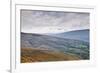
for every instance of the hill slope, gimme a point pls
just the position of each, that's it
(55, 44)
(77, 35)
(36, 55)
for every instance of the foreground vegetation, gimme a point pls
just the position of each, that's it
(36, 55)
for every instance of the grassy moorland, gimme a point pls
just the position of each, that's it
(29, 55)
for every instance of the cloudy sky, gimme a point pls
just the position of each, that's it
(35, 21)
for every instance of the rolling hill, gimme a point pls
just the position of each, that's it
(50, 44)
(76, 35)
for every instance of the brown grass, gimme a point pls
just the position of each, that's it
(36, 55)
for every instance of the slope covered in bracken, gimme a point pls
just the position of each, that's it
(36, 55)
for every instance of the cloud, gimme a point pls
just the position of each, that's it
(33, 19)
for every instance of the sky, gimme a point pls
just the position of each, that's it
(42, 22)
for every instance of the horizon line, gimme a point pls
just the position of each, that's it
(54, 33)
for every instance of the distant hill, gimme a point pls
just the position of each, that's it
(47, 42)
(76, 35)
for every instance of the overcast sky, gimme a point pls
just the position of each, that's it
(33, 21)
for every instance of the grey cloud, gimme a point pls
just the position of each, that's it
(32, 18)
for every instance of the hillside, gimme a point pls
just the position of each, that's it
(36, 55)
(82, 35)
(48, 44)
